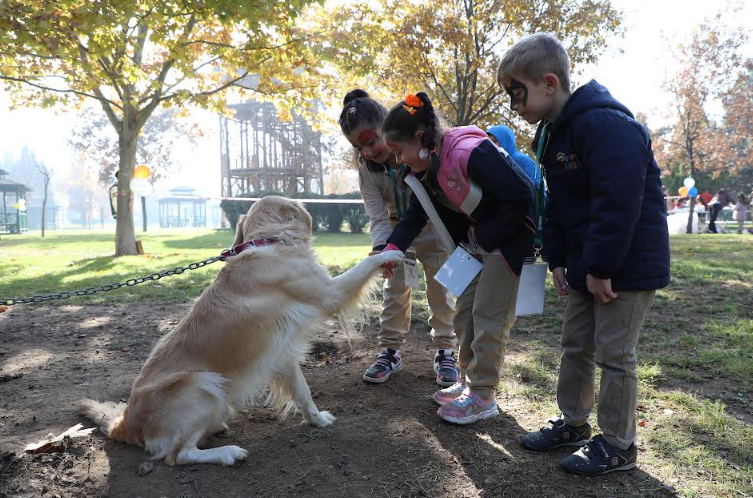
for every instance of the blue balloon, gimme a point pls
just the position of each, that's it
(692, 192)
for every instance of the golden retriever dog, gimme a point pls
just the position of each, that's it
(248, 331)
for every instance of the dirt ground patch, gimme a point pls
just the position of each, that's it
(387, 441)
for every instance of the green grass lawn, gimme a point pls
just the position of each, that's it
(71, 260)
(695, 352)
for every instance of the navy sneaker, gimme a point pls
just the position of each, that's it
(557, 434)
(599, 457)
(387, 363)
(446, 367)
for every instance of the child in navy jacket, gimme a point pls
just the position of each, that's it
(607, 244)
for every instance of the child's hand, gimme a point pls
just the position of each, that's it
(560, 283)
(387, 267)
(600, 288)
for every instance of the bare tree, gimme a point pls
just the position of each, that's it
(46, 175)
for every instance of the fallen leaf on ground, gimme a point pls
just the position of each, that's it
(9, 377)
(59, 442)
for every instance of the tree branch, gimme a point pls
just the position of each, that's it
(60, 90)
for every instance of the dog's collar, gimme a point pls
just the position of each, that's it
(239, 248)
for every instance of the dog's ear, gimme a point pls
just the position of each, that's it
(239, 230)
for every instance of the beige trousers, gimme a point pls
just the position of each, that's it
(485, 314)
(605, 335)
(396, 307)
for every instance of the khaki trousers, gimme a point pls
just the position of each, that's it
(396, 307)
(605, 335)
(485, 314)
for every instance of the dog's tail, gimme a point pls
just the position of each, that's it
(280, 397)
(107, 414)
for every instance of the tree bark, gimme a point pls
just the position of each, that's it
(691, 200)
(44, 201)
(125, 239)
(143, 211)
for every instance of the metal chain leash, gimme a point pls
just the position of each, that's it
(108, 287)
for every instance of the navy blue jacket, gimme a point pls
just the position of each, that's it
(606, 215)
(504, 215)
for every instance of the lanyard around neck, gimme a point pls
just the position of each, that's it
(538, 239)
(401, 206)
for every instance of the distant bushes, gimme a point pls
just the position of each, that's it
(329, 216)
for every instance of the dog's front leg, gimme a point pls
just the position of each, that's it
(347, 287)
(301, 394)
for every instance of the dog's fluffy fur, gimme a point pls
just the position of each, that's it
(248, 330)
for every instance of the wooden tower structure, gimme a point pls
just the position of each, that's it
(259, 152)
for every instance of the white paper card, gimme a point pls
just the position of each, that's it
(531, 289)
(458, 271)
(410, 269)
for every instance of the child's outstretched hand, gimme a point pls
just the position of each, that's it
(600, 288)
(387, 267)
(560, 283)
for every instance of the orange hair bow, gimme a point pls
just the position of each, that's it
(412, 103)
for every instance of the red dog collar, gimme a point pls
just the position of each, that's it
(237, 249)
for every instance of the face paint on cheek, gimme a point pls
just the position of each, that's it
(366, 136)
(514, 101)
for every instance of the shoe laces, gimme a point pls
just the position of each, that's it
(599, 444)
(385, 360)
(447, 361)
(552, 425)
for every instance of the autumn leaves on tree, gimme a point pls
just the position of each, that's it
(133, 57)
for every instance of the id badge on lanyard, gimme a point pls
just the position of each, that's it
(458, 271)
(531, 288)
(410, 269)
(530, 299)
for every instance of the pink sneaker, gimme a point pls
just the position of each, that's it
(467, 408)
(448, 394)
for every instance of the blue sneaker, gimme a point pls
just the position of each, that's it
(599, 457)
(387, 363)
(557, 434)
(446, 367)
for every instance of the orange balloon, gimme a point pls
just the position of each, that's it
(683, 191)
(141, 171)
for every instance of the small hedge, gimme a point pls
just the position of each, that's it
(330, 215)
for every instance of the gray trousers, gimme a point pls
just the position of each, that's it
(605, 335)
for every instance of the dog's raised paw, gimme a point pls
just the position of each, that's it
(393, 257)
(232, 454)
(323, 419)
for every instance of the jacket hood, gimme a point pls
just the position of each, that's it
(465, 136)
(504, 136)
(589, 96)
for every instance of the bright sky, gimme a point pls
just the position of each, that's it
(633, 68)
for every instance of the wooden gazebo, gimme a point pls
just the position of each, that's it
(182, 209)
(12, 219)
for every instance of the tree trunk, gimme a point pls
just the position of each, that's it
(125, 239)
(691, 200)
(143, 211)
(44, 201)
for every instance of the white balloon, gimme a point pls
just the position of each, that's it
(141, 186)
(689, 182)
(147, 191)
